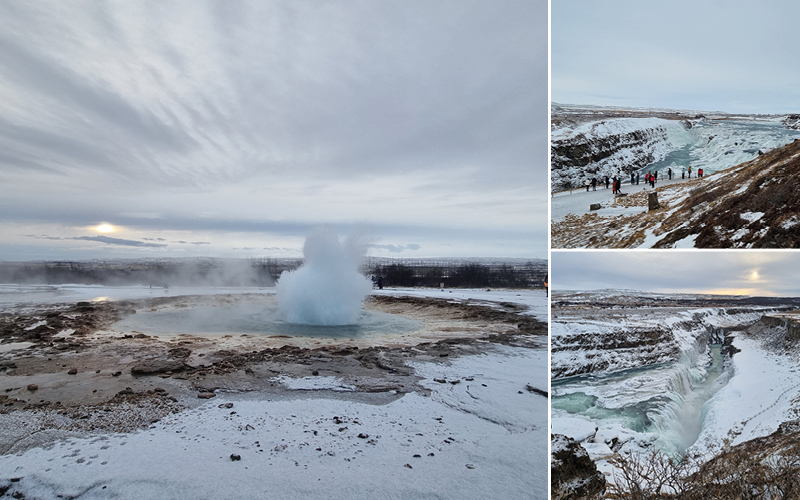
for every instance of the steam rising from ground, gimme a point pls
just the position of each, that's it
(327, 289)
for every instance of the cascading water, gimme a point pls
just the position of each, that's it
(666, 400)
(717, 145)
(327, 289)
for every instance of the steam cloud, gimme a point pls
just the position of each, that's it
(327, 289)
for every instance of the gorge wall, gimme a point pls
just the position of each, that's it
(611, 147)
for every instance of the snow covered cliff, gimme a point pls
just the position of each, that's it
(612, 147)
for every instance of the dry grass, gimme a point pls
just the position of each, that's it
(766, 468)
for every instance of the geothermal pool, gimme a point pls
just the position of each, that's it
(263, 318)
(665, 401)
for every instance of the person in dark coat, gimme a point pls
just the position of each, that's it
(594, 183)
(633, 178)
(669, 173)
(606, 182)
(637, 178)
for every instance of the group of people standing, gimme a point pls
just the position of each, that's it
(649, 178)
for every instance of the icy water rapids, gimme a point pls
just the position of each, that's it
(667, 400)
(716, 145)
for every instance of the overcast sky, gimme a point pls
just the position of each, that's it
(713, 55)
(231, 128)
(738, 272)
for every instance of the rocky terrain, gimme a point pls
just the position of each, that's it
(752, 205)
(75, 372)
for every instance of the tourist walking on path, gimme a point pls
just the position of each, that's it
(669, 173)
(633, 178)
(637, 178)
(690, 171)
(588, 183)
(594, 183)
(606, 182)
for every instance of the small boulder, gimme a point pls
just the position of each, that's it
(235, 457)
(33, 387)
(206, 395)
(595, 206)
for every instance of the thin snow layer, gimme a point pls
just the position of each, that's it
(314, 383)
(472, 441)
(535, 300)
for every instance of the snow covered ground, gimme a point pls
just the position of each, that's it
(479, 434)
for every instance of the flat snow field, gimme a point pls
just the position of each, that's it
(481, 438)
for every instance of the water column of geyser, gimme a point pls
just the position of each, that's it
(327, 289)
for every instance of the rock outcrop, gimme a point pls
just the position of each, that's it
(573, 474)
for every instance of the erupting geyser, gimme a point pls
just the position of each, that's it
(327, 289)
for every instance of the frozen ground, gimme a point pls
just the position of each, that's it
(478, 431)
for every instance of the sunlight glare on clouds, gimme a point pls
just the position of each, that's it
(104, 228)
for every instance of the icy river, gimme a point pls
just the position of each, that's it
(720, 144)
(663, 404)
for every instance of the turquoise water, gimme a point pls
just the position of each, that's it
(664, 399)
(258, 319)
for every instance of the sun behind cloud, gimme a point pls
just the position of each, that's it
(105, 228)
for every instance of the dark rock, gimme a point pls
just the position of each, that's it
(235, 457)
(573, 474)
(595, 206)
(73, 371)
(32, 387)
(440, 380)
(116, 374)
(206, 395)
(417, 455)
(536, 390)
(157, 365)
(363, 436)
(408, 465)
(652, 201)
(315, 372)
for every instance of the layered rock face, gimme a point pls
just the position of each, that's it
(609, 147)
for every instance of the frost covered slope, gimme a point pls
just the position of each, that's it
(752, 205)
(600, 332)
